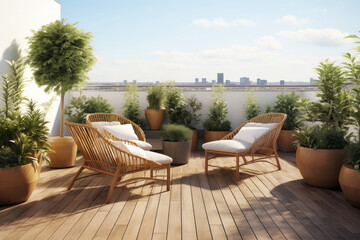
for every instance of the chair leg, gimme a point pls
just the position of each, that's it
(237, 168)
(168, 178)
(244, 158)
(151, 172)
(206, 162)
(277, 159)
(75, 177)
(112, 187)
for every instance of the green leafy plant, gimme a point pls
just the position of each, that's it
(60, 56)
(252, 108)
(216, 120)
(156, 96)
(289, 104)
(176, 133)
(132, 107)
(175, 106)
(194, 105)
(80, 106)
(353, 154)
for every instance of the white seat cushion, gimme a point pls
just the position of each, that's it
(251, 132)
(124, 131)
(134, 150)
(142, 144)
(232, 146)
(100, 125)
(158, 157)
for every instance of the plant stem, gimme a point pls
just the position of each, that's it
(62, 103)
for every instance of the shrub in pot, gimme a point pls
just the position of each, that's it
(194, 105)
(289, 104)
(216, 125)
(132, 107)
(176, 142)
(60, 56)
(252, 108)
(155, 112)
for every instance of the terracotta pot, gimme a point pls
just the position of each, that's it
(214, 135)
(154, 118)
(286, 141)
(320, 167)
(178, 151)
(194, 140)
(349, 180)
(65, 152)
(17, 183)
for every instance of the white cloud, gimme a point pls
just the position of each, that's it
(220, 22)
(269, 43)
(323, 37)
(292, 20)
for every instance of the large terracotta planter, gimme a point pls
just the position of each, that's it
(194, 140)
(320, 167)
(17, 183)
(349, 180)
(286, 139)
(178, 151)
(214, 135)
(154, 118)
(65, 152)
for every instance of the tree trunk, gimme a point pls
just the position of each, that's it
(62, 103)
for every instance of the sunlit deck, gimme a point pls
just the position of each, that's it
(264, 204)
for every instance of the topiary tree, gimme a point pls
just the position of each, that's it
(60, 55)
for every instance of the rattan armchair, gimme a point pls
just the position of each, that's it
(101, 156)
(261, 149)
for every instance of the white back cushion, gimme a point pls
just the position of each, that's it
(100, 125)
(134, 150)
(251, 132)
(125, 131)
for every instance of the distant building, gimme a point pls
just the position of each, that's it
(227, 82)
(282, 82)
(258, 81)
(157, 82)
(125, 82)
(203, 81)
(220, 78)
(312, 81)
(134, 81)
(263, 82)
(244, 81)
(213, 82)
(196, 80)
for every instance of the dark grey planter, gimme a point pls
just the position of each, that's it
(178, 151)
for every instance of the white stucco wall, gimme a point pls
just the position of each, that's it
(17, 19)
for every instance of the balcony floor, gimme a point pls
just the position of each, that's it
(264, 204)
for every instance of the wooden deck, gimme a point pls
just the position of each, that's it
(264, 204)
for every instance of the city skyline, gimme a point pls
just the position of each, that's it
(159, 41)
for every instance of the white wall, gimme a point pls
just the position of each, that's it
(236, 101)
(17, 19)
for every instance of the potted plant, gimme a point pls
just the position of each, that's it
(132, 107)
(60, 56)
(320, 151)
(194, 105)
(289, 104)
(252, 108)
(81, 106)
(176, 142)
(155, 112)
(216, 125)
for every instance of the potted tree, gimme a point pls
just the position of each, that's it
(132, 107)
(289, 104)
(60, 56)
(155, 112)
(176, 142)
(194, 105)
(252, 108)
(216, 125)
(320, 151)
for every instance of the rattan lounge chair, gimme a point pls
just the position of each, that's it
(102, 156)
(112, 117)
(260, 146)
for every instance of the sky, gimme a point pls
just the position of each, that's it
(162, 40)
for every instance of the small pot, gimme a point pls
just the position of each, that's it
(65, 152)
(214, 135)
(154, 118)
(286, 140)
(194, 140)
(320, 167)
(178, 151)
(349, 180)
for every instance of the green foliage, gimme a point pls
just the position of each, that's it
(194, 105)
(8, 158)
(176, 133)
(321, 137)
(252, 108)
(289, 104)
(156, 97)
(175, 106)
(353, 154)
(132, 107)
(80, 106)
(60, 56)
(217, 111)
(268, 108)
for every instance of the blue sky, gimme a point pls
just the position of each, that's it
(182, 40)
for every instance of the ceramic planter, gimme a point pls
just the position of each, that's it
(214, 135)
(194, 140)
(286, 139)
(65, 152)
(320, 167)
(349, 180)
(178, 151)
(154, 118)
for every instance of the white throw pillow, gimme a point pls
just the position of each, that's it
(100, 125)
(134, 150)
(266, 125)
(251, 132)
(125, 131)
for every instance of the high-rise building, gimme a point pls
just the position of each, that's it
(220, 78)
(196, 80)
(203, 81)
(227, 82)
(244, 81)
(282, 82)
(258, 81)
